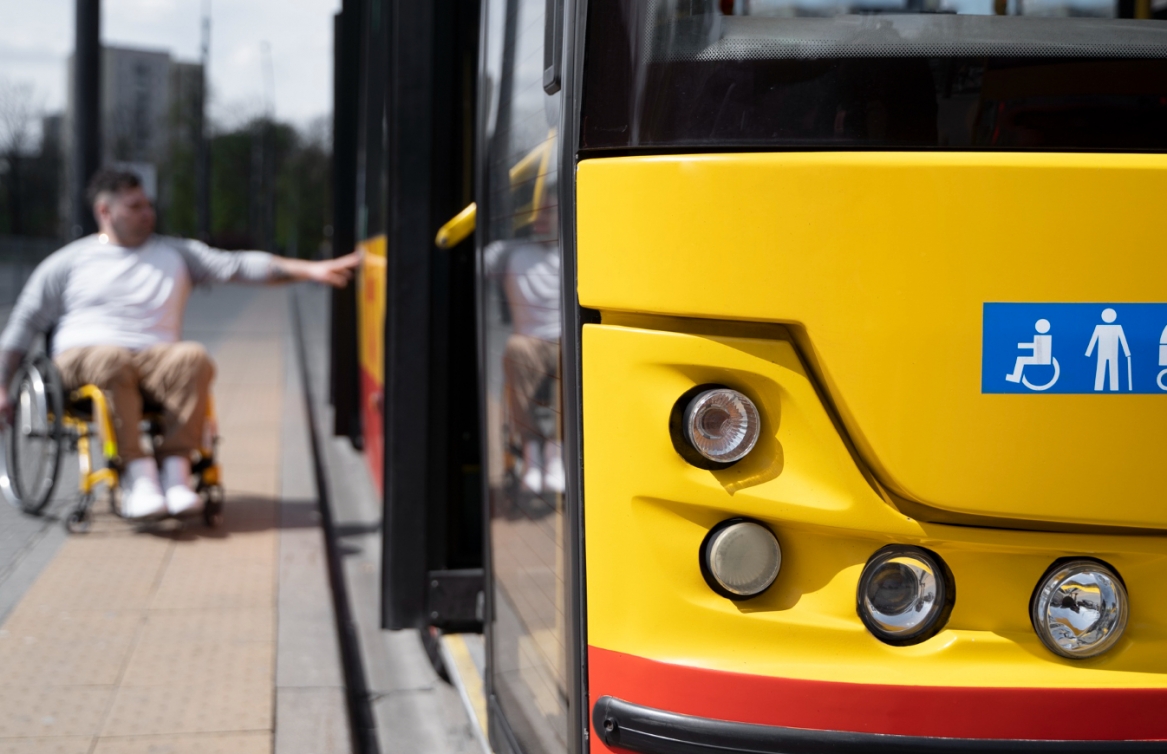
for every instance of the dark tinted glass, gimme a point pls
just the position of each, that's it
(518, 217)
(663, 75)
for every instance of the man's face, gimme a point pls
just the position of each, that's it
(129, 214)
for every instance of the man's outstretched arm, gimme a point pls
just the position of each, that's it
(335, 272)
(208, 265)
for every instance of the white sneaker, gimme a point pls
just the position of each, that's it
(180, 498)
(532, 478)
(141, 495)
(553, 478)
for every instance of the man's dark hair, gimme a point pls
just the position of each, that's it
(110, 181)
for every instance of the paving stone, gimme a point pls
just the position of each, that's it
(189, 708)
(71, 745)
(311, 721)
(227, 625)
(35, 663)
(94, 584)
(162, 638)
(211, 743)
(249, 479)
(65, 624)
(233, 666)
(52, 712)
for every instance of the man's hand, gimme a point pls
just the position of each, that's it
(335, 272)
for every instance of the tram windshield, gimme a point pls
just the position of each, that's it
(870, 74)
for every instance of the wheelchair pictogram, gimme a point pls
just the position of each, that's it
(1043, 355)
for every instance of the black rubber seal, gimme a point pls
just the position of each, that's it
(946, 584)
(631, 727)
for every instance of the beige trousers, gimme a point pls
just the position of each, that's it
(528, 362)
(175, 375)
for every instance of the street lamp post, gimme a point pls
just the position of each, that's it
(86, 153)
(203, 166)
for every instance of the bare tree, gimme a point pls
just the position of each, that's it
(19, 111)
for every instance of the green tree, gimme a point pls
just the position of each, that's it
(270, 187)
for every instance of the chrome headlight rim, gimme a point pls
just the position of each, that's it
(945, 599)
(703, 558)
(1063, 567)
(678, 420)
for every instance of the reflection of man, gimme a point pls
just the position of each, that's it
(1108, 337)
(531, 361)
(115, 304)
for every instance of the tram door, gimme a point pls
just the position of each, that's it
(519, 296)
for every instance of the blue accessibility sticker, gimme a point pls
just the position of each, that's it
(1108, 349)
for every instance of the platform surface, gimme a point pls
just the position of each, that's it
(177, 638)
(413, 708)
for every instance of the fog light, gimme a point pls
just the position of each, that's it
(722, 425)
(1080, 608)
(905, 595)
(740, 559)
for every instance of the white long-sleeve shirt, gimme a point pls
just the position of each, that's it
(93, 293)
(532, 289)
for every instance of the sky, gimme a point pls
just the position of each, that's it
(36, 38)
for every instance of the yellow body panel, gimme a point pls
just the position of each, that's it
(647, 512)
(880, 263)
(371, 307)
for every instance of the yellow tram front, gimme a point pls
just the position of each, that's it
(871, 351)
(803, 384)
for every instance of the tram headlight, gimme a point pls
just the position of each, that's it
(721, 424)
(905, 595)
(1080, 608)
(740, 558)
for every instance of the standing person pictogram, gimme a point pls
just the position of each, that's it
(1043, 355)
(1108, 337)
(1162, 360)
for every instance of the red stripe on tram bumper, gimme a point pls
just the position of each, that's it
(925, 711)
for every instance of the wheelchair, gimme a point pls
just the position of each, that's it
(47, 423)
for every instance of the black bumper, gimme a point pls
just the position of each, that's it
(631, 727)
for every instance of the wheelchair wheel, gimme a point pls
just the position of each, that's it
(31, 461)
(80, 519)
(213, 506)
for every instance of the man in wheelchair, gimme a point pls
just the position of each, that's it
(114, 302)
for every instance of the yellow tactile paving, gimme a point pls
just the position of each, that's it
(161, 639)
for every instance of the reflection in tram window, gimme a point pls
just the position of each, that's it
(519, 218)
(874, 74)
(530, 275)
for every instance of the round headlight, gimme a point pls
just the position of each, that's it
(905, 595)
(740, 559)
(1080, 608)
(722, 425)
